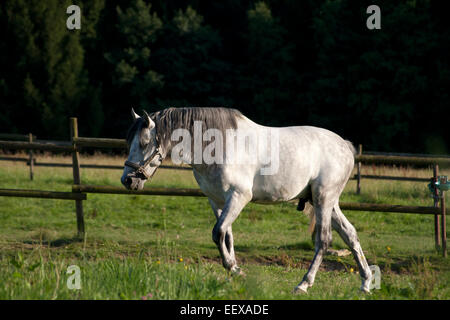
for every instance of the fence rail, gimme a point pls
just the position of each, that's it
(43, 146)
(97, 166)
(16, 137)
(100, 142)
(184, 192)
(403, 154)
(42, 194)
(402, 160)
(14, 159)
(378, 207)
(187, 192)
(397, 178)
(82, 142)
(79, 191)
(66, 146)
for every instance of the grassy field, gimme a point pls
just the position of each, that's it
(142, 247)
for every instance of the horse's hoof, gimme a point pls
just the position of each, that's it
(365, 285)
(365, 290)
(301, 288)
(236, 271)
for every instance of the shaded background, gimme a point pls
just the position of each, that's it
(281, 63)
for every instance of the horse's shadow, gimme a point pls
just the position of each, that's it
(61, 242)
(303, 245)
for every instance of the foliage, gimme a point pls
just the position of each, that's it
(280, 62)
(42, 71)
(188, 54)
(133, 74)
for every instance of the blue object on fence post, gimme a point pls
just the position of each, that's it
(442, 184)
(435, 195)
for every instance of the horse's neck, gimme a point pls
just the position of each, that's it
(242, 123)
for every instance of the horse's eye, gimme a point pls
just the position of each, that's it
(144, 140)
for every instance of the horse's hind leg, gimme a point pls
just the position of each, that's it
(348, 234)
(323, 239)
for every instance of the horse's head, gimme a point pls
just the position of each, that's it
(144, 155)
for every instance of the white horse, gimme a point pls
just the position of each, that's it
(312, 164)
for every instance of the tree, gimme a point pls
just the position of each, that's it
(189, 56)
(134, 77)
(91, 112)
(267, 75)
(43, 80)
(376, 87)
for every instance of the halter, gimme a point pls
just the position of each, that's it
(140, 170)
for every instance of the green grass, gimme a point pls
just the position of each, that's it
(160, 247)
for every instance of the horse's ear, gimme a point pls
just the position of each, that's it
(149, 121)
(134, 115)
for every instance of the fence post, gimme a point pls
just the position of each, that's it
(437, 228)
(443, 229)
(358, 177)
(31, 158)
(76, 175)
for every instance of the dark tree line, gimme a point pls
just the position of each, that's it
(286, 62)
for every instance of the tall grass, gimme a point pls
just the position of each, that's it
(142, 247)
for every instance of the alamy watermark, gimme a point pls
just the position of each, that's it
(374, 20)
(74, 20)
(237, 146)
(74, 280)
(376, 277)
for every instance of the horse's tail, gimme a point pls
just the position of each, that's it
(309, 212)
(351, 147)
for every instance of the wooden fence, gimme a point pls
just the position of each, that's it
(82, 142)
(66, 146)
(79, 190)
(395, 159)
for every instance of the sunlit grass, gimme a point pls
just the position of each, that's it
(160, 247)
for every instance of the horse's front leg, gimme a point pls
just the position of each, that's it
(222, 233)
(229, 241)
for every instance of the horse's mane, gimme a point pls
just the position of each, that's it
(167, 120)
(135, 127)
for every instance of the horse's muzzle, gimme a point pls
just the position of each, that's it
(132, 183)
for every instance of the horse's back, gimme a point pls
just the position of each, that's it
(307, 154)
